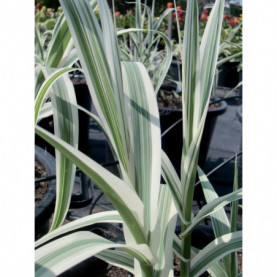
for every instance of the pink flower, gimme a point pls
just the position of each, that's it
(226, 16)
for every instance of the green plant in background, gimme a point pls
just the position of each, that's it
(127, 110)
(125, 21)
(231, 44)
(46, 16)
(230, 49)
(231, 35)
(142, 43)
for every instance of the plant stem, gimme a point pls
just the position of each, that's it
(146, 270)
(186, 241)
(185, 266)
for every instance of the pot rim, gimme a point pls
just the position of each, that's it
(218, 110)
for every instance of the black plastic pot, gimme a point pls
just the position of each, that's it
(45, 208)
(228, 75)
(172, 141)
(175, 69)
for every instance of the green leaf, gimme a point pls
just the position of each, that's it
(224, 60)
(220, 221)
(44, 89)
(122, 196)
(214, 251)
(190, 74)
(168, 219)
(66, 127)
(172, 180)
(177, 247)
(209, 50)
(100, 74)
(234, 220)
(198, 69)
(230, 37)
(45, 111)
(118, 258)
(101, 217)
(217, 270)
(39, 43)
(63, 253)
(232, 90)
(212, 207)
(60, 44)
(160, 69)
(145, 157)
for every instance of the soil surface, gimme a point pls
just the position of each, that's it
(40, 188)
(169, 99)
(173, 100)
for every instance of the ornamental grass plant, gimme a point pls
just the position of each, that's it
(127, 112)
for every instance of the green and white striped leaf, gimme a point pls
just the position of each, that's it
(63, 253)
(214, 251)
(163, 67)
(66, 127)
(122, 196)
(112, 56)
(212, 207)
(90, 45)
(188, 172)
(43, 92)
(60, 44)
(172, 180)
(224, 60)
(39, 44)
(177, 247)
(234, 220)
(144, 126)
(118, 258)
(216, 269)
(209, 50)
(127, 134)
(101, 217)
(198, 69)
(220, 221)
(168, 219)
(45, 111)
(190, 75)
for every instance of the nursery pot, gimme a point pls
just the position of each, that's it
(45, 207)
(228, 75)
(172, 141)
(175, 69)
